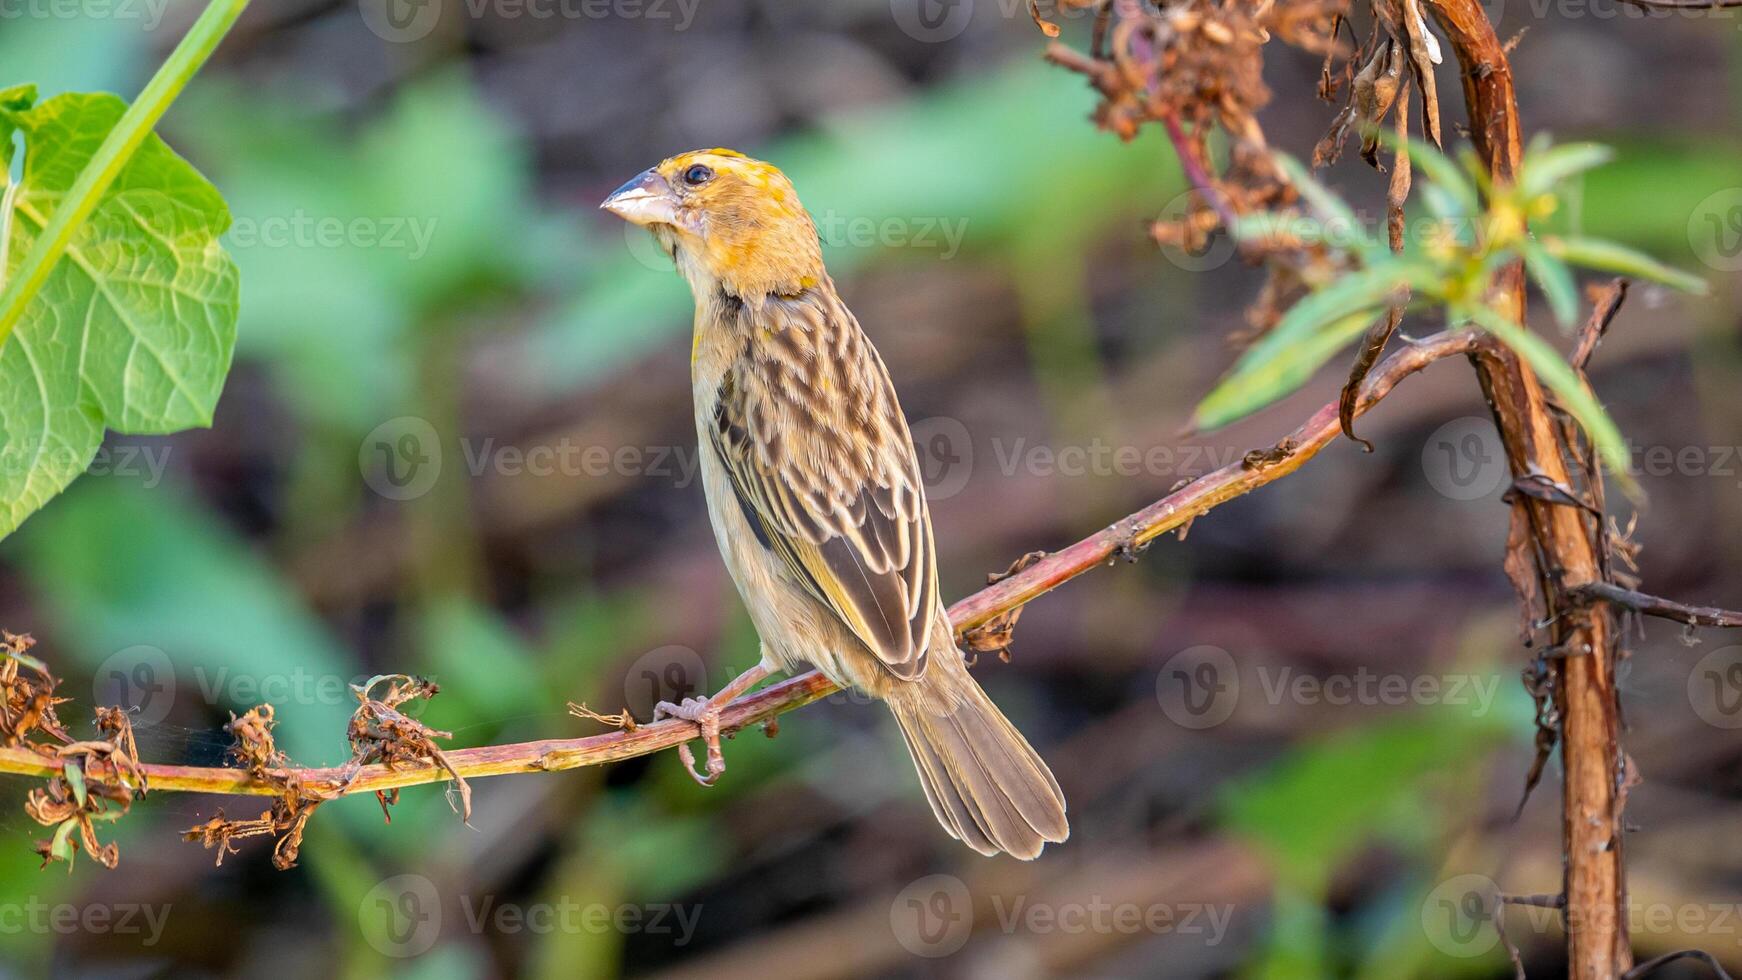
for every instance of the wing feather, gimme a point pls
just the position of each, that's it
(823, 465)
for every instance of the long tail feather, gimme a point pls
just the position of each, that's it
(986, 785)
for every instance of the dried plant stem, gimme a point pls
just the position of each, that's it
(1565, 543)
(1650, 605)
(1126, 537)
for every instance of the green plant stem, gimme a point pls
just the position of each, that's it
(118, 148)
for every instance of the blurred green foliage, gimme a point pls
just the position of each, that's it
(352, 336)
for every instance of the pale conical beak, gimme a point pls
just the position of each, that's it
(647, 199)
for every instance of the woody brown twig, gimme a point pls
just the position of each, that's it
(1564, 541)
(1126, 537)
(1650, 605)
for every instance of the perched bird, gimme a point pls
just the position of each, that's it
(814, 491)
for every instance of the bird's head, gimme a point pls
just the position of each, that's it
(729, 222)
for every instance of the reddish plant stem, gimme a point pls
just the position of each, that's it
(1195, 171)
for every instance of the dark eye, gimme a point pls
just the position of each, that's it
(698, 175)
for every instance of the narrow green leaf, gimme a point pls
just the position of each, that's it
(1542, 171)
(1261, 375)
(26, 659)
(1555, 279)
(1250, 389)
(75, 777)
(1265, 226)
(1444, 205)
(1341, 225)
(1608, 256)
(60, 847)
(1569, 389)
(1442, 172)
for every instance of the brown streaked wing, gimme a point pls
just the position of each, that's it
(823, 466)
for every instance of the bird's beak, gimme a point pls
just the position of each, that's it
(647, 199)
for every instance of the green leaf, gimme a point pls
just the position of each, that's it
(1442, 172)
(1444, 206)
(1341, 224)
(1555, 279)
(12, 101)
(1248, 390)
(75, 778)
(1568, 388)
(25, 659)
(60, 847)
(1265, 226)
(1610, 257)
(119, 304)
(1542, 171)
(1311, 332)
(133, 328)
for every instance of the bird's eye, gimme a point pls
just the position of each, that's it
(698, 175)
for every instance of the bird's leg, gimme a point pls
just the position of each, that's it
(705, 714)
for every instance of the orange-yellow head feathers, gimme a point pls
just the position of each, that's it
(730, 222)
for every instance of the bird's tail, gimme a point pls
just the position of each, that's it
(984, 782)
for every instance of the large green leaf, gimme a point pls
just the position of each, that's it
(134, 326)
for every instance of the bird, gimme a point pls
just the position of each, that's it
(814, 492)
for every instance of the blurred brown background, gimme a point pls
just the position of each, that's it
(458, 442)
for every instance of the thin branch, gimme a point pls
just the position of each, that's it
(1127, 537)
(1650, 605)
(1650, 966)
(1195, 171)
(1605, 304)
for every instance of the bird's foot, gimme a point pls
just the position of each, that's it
(705, 715)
